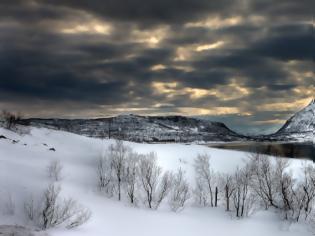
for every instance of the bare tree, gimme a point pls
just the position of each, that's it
(105, 175)
(164, 188)
(297, 197)
(227, 183)
(54, 170)
(264, 182)
(180, 191)
(131, 176)
(154, 186)
(205, 176)
(308, 189)
(242, 196)
(201, 196)
(118, 153)
(149, 173)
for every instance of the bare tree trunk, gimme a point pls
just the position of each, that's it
(216, 197)
(227, 197)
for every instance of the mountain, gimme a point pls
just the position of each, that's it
(301, 126)
(143, 128)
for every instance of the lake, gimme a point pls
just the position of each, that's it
(291, 150)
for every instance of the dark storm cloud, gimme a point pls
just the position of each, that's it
(145, 55)
(291, 42)
(295, 10)
(150, 11)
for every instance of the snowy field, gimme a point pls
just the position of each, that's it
(23, 172)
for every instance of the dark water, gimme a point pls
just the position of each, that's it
(291, 150)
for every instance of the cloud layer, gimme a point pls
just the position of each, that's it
(247, 62)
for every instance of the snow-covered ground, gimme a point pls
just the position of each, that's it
(23, 173)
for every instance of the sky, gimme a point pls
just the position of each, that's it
(249, 63)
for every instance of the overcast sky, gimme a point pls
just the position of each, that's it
(249, 63)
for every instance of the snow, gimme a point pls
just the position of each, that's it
(23, 172)
(301, 126)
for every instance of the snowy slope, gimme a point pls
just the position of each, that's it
(301, 125)
(23, 172)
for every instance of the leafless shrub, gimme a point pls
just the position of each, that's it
(264, 183)
(30, 209)
(242, 196)
(200, 194)
(131, 177)
(118, 155)
(54, 170)
(179, 192)
(105, 176)
(308, 189)
(53, 211)
(205, 180)
(149, 174)
(8, 205)
(164, 188)
(81, 216)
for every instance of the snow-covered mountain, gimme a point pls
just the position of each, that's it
(143, 128)
(301, 126)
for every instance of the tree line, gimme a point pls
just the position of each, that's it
(261, 183)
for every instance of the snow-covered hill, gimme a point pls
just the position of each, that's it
(301, 125)
(23, 163)
(143, 128)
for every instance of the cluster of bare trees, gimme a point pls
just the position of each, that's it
(261, 183)
(10, 119)
(231, 190)
(276, 187)
(139, 179)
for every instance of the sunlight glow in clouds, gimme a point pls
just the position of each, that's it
(249, 60)
(209, 46)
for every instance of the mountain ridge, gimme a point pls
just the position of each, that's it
(300, 126)
(175, 128)
(143, 128)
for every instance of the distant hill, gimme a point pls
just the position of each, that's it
(143, 128)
